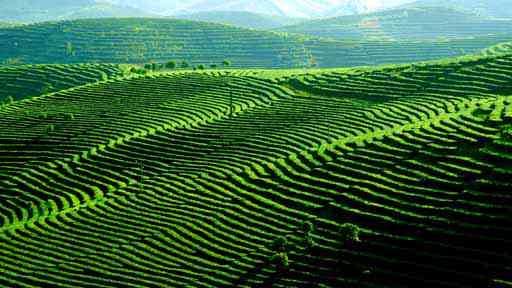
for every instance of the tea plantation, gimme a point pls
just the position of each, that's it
(144, 40)
(33, 80)
(418, 23)
(186, 179)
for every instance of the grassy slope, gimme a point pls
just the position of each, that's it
(243, 19)
(6, 24)
(501, 48)
(141, 40)
(492, 8)
(137, 40)
(402, 24)
(417, 155)
(27, 81)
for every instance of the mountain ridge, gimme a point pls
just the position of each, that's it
(289, 8)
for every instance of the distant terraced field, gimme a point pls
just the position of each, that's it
(146, 40)
(33, 80)
(502, 48)
(426, 23)
(140, 40)
(419, 156)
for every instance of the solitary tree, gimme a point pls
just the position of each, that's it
(280, 256)
(281, 261)
(349, 234)
(147, 66)
(213, 66)
(201, 67)
(70, 51)
(307, 229)
(226, 63)
(170, 65)
(184, 64)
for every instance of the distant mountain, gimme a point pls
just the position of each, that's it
(404, 24)
(103, 10)
(289, 8)
(36, 11)
(243, 19)
(6, 24)
(494, 8)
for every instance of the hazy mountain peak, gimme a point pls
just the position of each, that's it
(290, 8)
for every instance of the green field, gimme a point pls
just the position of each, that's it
(184, 179)
(143, 40)
(425, 23)
(25, 81)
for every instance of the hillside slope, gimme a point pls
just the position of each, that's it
(25, 81)
(428, 23)
(184, 180)
(140, 40)
(493, 8)
(502, 48)
(6, 24)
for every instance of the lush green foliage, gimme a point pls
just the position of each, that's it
(137, 40)
(417, 156)
(430, 23)
(33, 80)
(490, 8)
(158, 40)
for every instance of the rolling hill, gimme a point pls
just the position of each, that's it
(141, 40)
(285, 8)
(186, 179)
(426, 23)
(6, 24)
(26, 81)
(492, 8)
(502, 48)
(138, 40)
(29, 11)
(242, 19)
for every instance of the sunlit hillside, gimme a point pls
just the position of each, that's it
(242, 149)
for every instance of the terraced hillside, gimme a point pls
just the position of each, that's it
(33, 80)
(501, 48)
(139, 40)
(184, 180)
(327, 53)
(420, 23)
(6, 24)
(160, 40)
